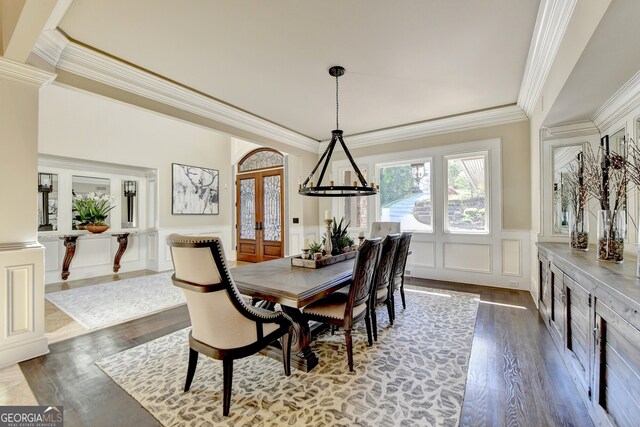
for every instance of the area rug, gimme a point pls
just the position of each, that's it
(415, 374)
(110, 303)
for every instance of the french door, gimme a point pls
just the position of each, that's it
(260, 215)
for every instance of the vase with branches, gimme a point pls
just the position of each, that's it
(607, 179)
(575, 193)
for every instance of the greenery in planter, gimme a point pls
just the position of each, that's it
(92, 208)
(339, 236)
(315, 247)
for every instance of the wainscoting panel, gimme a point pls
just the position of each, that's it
(423, 254)
(20, 294)
(21, 302)
(92, 251)
(511, 257)
(51, 256)
(132, 253)
(467, 257)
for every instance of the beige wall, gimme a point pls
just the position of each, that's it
(19, 162)
(77, 124)
(306, 159)
(516, 182)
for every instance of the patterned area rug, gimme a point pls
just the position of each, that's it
(110, 303)
(415, 374)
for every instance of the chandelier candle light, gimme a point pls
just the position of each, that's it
(360, 186)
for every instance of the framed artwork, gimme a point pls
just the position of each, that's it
(195, 190)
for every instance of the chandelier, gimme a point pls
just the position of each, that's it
(360, 186)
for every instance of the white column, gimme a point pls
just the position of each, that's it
(21, 256)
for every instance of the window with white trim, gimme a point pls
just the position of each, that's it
(466, 201)
(405, 194)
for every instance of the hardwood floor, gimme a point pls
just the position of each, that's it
(516, 376)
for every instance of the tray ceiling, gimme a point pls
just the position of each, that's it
(407, 61)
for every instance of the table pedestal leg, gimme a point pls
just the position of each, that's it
(302, 357)
(70, 244)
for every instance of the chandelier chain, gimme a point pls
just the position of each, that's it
(337, 105)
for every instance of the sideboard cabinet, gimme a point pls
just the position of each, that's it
(592, 311)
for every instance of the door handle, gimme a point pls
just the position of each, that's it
(257, 225)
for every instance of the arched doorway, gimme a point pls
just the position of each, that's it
(260, 206)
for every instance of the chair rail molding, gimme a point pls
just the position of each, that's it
(24, 73)
(551, 24)
(64, 54)
(621, 103)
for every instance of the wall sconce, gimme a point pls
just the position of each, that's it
(45, 186)
(130, 188)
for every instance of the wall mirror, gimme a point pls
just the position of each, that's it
(85, 185)
(565, 163)
(129, 203)
(47, 201)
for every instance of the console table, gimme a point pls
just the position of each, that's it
(71, 241)
(592, 311)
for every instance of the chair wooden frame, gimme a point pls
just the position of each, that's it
(359, 293)
(399, 266)
(258, 315)
(383, 280)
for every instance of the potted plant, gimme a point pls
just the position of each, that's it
(315, 248)
(92, 210)
(339, 236)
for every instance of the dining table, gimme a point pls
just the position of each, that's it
(293, 287)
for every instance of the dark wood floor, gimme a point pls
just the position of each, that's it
(516, 376)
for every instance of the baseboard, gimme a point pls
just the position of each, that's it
(24, 350)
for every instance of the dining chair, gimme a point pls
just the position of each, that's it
(400, 264)
(382, 287)
(223, 326)
(382, 228)
(345, 309)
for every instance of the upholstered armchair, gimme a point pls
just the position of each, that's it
(382, 287)
(400, 264)
(223, 326)
(381, 229)
(345, 309)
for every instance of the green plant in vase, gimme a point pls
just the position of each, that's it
(92, 208)
(339, 236)
(315, 247)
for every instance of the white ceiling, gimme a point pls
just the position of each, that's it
(407, 61)
(609, 60)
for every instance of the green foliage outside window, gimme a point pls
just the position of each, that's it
(396, 183)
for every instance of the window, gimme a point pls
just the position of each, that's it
(355, 208)
(466, 193)
(405, 195)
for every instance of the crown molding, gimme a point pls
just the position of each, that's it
(74, 58)
(551, 24)
(50, 46)
(571, 130)
(24, 73)
(474, 120)
(626, 99)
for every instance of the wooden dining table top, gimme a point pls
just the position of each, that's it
(280, 282)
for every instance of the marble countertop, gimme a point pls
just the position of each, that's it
(55, 235)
